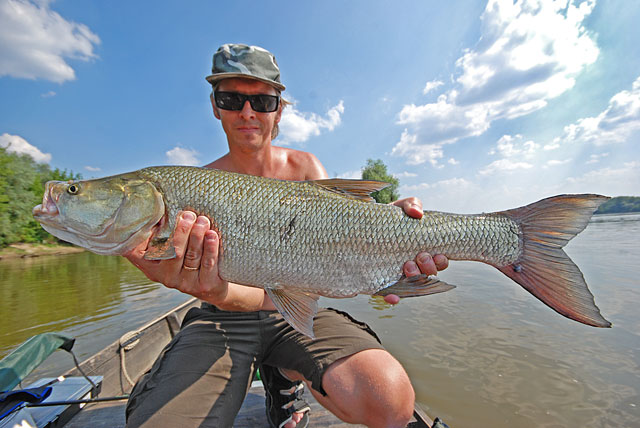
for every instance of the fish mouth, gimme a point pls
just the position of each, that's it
(48, 209)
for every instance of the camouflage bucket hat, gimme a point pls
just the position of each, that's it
(251, 62)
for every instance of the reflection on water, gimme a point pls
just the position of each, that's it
(92, 298)
(486, 354)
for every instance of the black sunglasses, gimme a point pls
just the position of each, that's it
(260, 103)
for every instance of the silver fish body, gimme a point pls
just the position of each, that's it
(298, 240)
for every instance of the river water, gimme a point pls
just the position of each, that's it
(486, 354)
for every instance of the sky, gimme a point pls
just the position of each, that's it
(474, 106)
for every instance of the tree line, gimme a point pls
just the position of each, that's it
(22, 183)
(620, 204)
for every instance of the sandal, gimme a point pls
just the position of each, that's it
(283, 398)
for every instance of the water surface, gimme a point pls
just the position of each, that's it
(486, 354)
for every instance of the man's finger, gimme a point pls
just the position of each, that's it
(410, 269)
(193, 254)
(208, 263)
(392, 299)
(426, 264)
(442, 262)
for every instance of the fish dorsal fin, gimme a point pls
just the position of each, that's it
(355, 189)
(297, 308)
(413, 286)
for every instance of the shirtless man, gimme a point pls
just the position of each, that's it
(202, 376)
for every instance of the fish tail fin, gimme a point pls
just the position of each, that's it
(544, 269)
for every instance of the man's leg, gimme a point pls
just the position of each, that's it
(369, 388)
(347, 370)
(201, 377)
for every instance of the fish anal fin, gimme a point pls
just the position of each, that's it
(354, 189)
(297, 308)
(414, 286)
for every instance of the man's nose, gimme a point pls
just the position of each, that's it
(247, 111)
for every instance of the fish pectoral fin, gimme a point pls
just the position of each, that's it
(418, 285)
(354, 189)
(297, 308)
(160, 249)
(161, 243)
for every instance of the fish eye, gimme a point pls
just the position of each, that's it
(73, 189)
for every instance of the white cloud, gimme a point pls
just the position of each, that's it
(430, 86)
(417, 153)
(298, 127)
(529, 52)
(92, 168)
(452, 161)
(48, 94)
(504, 165)
(557, 162)
(511, 146)
(405, 174)
(612, 181)
(17, 144)
(595, 158)
(181, 156)
(614, 125)
(36, 42)
(351, 175)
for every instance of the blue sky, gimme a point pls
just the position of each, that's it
(474, 106)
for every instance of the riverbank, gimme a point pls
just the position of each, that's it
(20, 250)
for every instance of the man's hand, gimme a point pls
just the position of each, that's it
(194, 270)
(424, 262)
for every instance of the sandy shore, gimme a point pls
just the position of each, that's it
(35, 250)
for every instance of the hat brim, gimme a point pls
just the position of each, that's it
(221, 76)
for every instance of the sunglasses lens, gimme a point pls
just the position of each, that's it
(235, 101)
(229, 100)
(264, 103)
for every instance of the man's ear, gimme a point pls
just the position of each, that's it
(216, 113)
(279, 114)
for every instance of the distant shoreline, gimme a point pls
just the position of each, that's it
(23, 250)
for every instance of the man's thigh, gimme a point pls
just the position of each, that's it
(200, 379)
(338, 335)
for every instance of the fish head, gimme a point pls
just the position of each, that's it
(107, 216)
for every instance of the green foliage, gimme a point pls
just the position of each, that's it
(377, 170)
(22, 183)
(620, 204)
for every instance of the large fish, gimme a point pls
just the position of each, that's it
(299, 240)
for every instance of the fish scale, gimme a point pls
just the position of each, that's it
(300, 240)
(274, 235)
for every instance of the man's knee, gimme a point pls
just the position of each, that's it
(393, 406)
(372, 388)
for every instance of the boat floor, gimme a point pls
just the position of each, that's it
(251, 415)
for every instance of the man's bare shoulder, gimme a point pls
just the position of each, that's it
(223, 163)
(299, 165)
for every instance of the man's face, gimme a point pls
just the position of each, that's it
(247, 128)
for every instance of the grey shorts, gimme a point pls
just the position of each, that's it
(201, 378)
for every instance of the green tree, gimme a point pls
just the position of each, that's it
(377, 170)
(620, 204)
(22, 182)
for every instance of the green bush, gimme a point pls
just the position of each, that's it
(22, 183)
